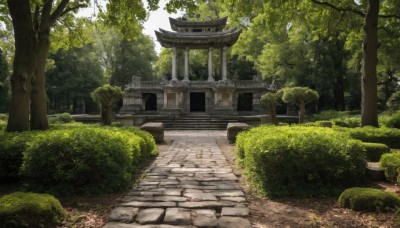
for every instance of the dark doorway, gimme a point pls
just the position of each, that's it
(245, 102)
(150, 101)
(197, 102)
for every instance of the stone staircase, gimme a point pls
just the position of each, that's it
(199, 122)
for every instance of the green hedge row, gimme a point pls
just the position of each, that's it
(387, 136)
(75, 158)
(390, 163)
(305, 161)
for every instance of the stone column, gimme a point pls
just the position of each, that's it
(223, 64)
(174, 78)
(186, 73)
(210, 65)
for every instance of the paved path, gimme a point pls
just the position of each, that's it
(190, 184)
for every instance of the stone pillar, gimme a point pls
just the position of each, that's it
(210, 65)
(174, 77)
(186, 73)
(223, 64)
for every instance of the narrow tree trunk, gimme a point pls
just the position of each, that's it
(106, 115)
(274, 119)
(369, 99)
(24, 65)
(302, 112)
(38, 105)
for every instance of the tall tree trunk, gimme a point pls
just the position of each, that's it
(369, 99)
(302, 112)
(23, 66)
(274, 119)
(38, 105)
(106, 114)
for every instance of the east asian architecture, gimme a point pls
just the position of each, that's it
(180, 95)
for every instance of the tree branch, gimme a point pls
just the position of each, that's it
(343, 9)
(389, 16)
(58, 11)
(69, 9)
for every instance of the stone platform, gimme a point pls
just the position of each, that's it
(190, 184)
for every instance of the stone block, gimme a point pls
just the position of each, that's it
(123, 214)
(156, 129)
(235, 211)
(150, 216)
(177, 216)
(233, 129)
(229, 222)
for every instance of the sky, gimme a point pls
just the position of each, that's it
(157, 19)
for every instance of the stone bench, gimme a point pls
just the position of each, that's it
(233, 130)
(156, 129)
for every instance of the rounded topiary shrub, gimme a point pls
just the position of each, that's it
(79, 161)
(302, 161)
(390, 163)
(394, 120)
(368, 199)
(374, 151)
(30, 210)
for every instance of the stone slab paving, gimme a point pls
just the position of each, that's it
(190, 184)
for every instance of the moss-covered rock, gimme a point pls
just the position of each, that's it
(30, 210)
(368, 199)
(374, 151)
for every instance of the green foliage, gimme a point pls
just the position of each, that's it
(394, 100)
(3, 125)
(75, 158)
(107, 95)
(268, 100)
(30, 210)
(4, 82)
(299, 95)
(394, 120)
(374, 151)
(303, 161)
(390, 163)
(333, 114)
(12, 147)
(368, 199)
(79, 161)
(387, 136)
(61, 118)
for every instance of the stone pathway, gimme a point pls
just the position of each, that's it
(190, 184)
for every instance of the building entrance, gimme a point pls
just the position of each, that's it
(197, 102)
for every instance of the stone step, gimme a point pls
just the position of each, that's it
(374, 172)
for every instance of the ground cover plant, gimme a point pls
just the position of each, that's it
(300, 161)
(30, 210)
(368, 199)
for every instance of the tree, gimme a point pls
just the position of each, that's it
(369, 109)
(107, 96)
(299, 96)
(32, 22)
(4, 86)
(69, 80)
(269, 101)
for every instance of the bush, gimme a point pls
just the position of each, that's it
(394, 120)
(305, 161)
(61, 118)
(368, 199)
(30, 210)
(388, 136)
(324, 123)
(80, 161)
(349, 122)
(374, 151)
(3, 116)
(390, 163)
(333, 114)
(12, 146)
(116, 124)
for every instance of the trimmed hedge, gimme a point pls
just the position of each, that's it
(302, 161)
(387, 136)
(75, 158)
(374, 151)
(80, 161)
(12, 146)
(30, 210)
(390, 163)
(368, 199)
(394, 120)
(3, 125)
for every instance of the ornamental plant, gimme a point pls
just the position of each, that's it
(107, 96)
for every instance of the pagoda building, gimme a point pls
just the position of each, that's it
(181, 97)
